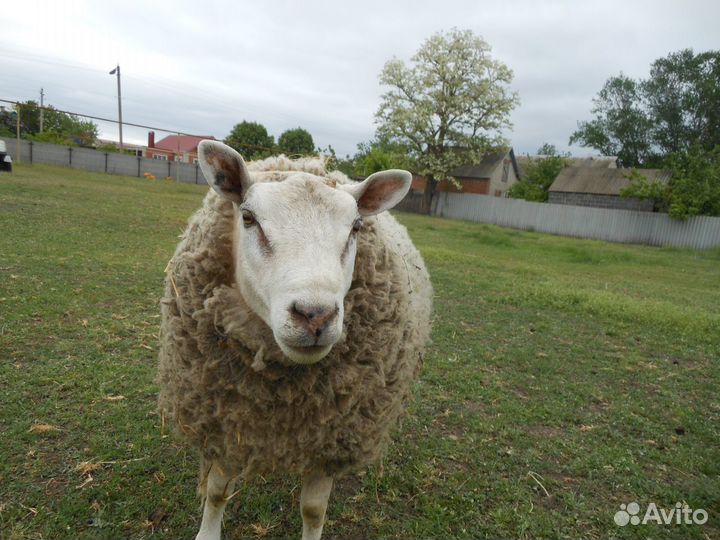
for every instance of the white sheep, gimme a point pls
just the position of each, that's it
(294, 320)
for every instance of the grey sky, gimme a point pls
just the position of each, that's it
(201, 67)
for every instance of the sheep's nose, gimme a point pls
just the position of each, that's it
(313, 318)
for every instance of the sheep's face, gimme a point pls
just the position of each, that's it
(295, 244)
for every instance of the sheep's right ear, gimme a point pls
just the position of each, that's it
(224, 170)
(380, 191)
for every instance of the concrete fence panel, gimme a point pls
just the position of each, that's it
(99, 161)
(87, 159)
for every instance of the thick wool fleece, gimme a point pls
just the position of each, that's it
(231, 392)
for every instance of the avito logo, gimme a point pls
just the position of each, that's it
(680, 514)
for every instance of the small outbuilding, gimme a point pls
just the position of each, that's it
(600, 187)
(494, 175)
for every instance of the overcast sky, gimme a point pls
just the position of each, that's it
(202, 66)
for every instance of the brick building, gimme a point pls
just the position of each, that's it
(175, 147)
(492, 176)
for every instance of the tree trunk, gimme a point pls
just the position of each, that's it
(428, 194)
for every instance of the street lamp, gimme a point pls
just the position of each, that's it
(113, 72)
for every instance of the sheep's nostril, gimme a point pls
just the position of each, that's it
(313, 318)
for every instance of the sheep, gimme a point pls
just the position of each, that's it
(293, 324)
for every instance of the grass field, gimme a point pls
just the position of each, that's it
(565, 378)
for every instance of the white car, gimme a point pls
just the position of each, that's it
(5, 159)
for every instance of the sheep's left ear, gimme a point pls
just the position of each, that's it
(224, 170)
(380, 191)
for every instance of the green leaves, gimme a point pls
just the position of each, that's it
(621, 126)
(683, 98)
(672, 119)
(377, 155)
(58, 127)
(693, 189)
(296, 141)
(540, 174)
(251, 139)
(643, 121)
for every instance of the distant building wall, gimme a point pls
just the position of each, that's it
(497, 182)
(479, 186)
(502, 178)
(169, 155)
(601, 201)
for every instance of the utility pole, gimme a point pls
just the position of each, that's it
(42, 103)
(113, 72)
(17, 133)
(177, 162)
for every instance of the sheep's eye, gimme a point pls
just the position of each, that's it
(248, 218)
(357, 225)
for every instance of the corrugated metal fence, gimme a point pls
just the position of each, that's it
(108, 162)
(627, 226)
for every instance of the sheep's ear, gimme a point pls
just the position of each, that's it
(380, 191)
(224, 170)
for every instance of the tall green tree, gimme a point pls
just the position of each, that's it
(682, 97)
(621, 126)
(448, 106)
(296, 141)
(645, 121)
(251, 139)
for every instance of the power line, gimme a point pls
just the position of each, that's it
(164, 130)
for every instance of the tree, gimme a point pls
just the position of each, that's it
(683, 100)
(693, 188)
(251, 139)
(449, 106)
(540, 174)
(621, 126)
(58, 127)
(377, 155)
(7, 122)
(644, 121)
(296, 141)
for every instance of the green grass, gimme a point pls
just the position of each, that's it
(565, 377)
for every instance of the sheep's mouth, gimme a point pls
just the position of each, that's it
(305, 355)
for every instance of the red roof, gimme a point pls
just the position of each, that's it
(185, 143)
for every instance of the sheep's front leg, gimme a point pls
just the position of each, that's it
(314, 496)
(217, 493)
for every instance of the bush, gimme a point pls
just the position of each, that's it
(693, 189)
(296, 141)
(540, 175)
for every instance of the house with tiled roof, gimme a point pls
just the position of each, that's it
(175, 147)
